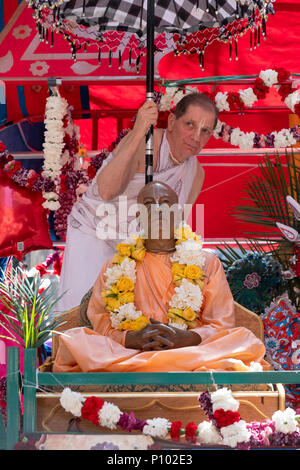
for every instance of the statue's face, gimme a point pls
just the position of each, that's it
(160, 213)
(188, 134)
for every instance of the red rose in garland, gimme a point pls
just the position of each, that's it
(175, 430)
(226, 418)
(260, 89)
(190, 432)
(91, 408)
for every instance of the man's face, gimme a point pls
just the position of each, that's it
(188, 134)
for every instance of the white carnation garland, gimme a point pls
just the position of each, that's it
(237, 137)
(56, 110)
(231, 431)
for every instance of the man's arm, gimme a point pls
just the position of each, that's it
(116, 175)
(196, 185)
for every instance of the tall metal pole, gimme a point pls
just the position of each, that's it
(150, 87)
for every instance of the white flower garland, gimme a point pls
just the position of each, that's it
(208, 432)
(184, 305)
(56, 110)
(238, 138)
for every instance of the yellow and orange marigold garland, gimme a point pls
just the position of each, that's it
(187, 273)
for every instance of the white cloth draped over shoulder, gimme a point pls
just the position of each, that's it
(85, 253)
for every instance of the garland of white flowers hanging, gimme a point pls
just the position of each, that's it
(56, 110)
(229, 101)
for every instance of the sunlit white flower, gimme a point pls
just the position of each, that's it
(269, 77)
(218, 128)
(221, 101)
(157, 427)
(285, 420)
(235, 433)
(292, 99)
(109, 415)
(72, 401)
(248, 97)
(187, 295)
(223, 398)
(283, 138)
(208, 433)
(189, 252)
(126, 269)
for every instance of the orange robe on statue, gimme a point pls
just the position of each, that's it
(223, 346)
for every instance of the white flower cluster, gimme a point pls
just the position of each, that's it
(284, 138)
(269, 77)
(51, 200)
(221, 101)
(125, 269)
(157, 427)
(189, 252)
(292, 99)
(285, 421)
(235, 433)
(170, 98)
(248, 97)
(223, 398)
(109, 415)
(208, 433)
(56, 109)
(187, 295)
(243, 140)
(125, 312)
(71, 401)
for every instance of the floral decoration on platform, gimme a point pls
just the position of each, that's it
(185, 304)
(224, 427)
(228, 101)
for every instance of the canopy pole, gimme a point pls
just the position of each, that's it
(150, 87)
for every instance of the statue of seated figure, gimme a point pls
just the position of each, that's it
(161, 304)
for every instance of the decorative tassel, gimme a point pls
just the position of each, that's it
(236, 49)
(130, 56)
(264, 28)
(251, 39)
(230, 50)
(84, 47)
(202, 53)
(99, 55)
(258, 37)
(237, 15)
(137, 64)
(83, 9)
(52, 38)
(207, 6)
(120, 60)
(255, 38)
(109, 58)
